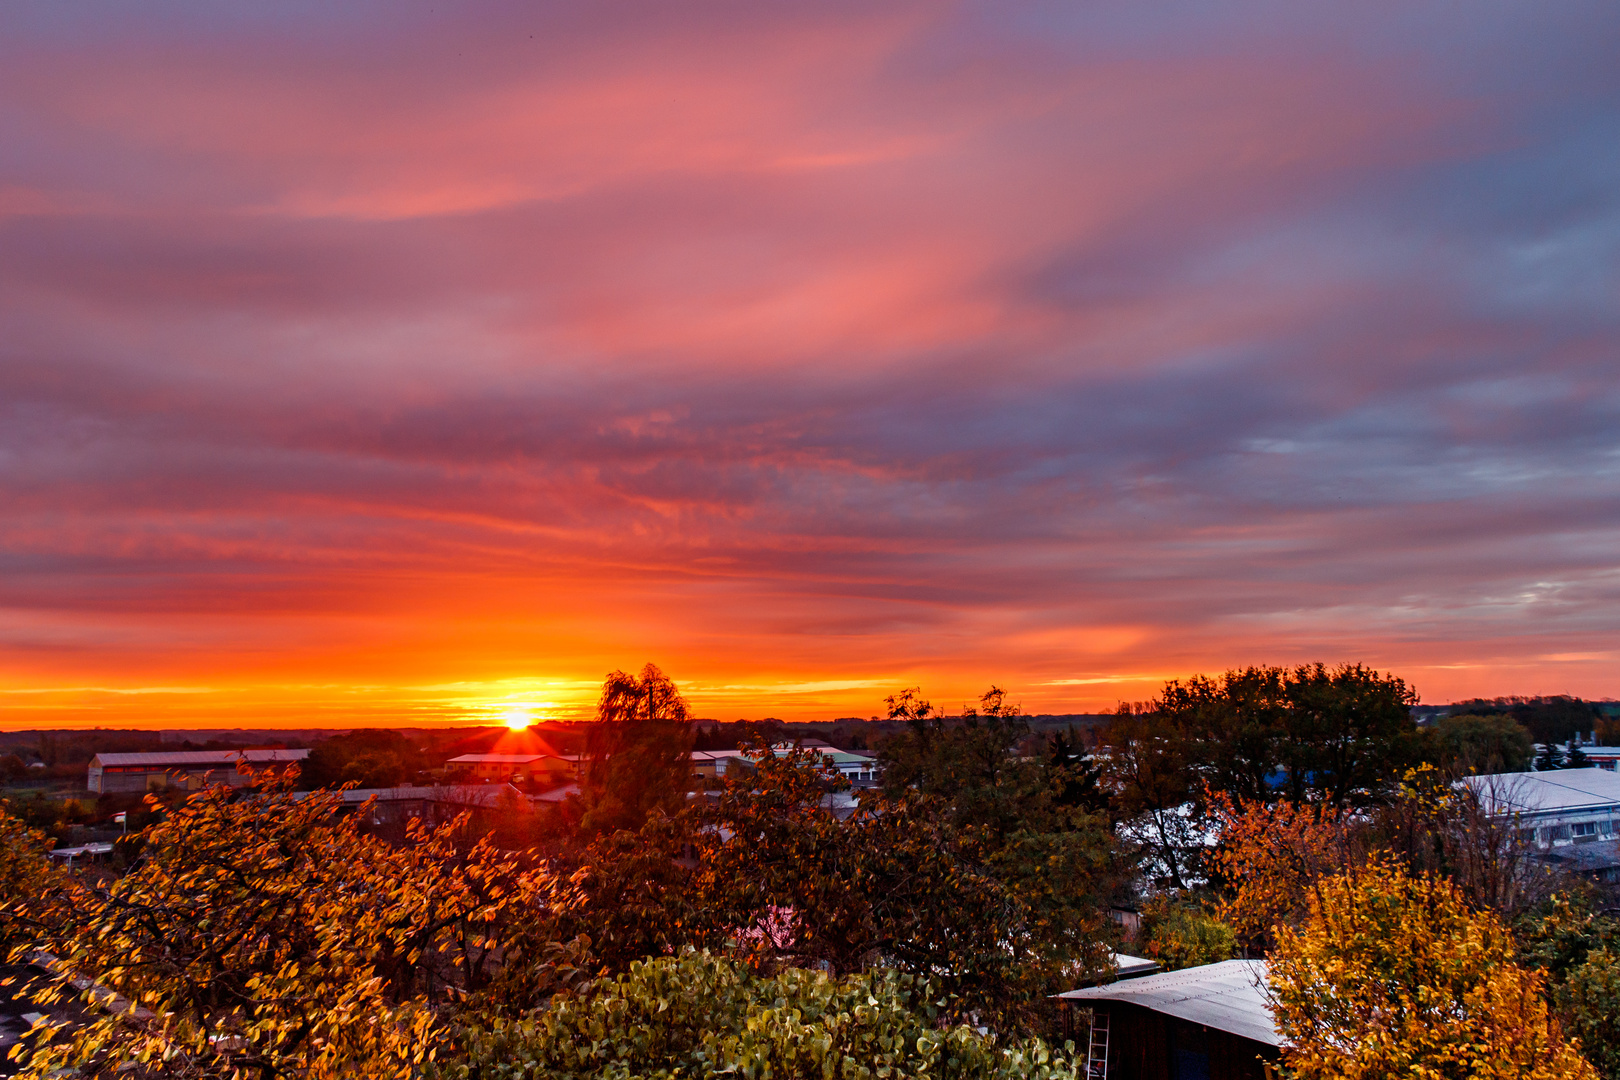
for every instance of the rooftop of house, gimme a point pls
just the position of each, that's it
(1558, 790)
(555, 795)
(1231, 996)
(497, 759)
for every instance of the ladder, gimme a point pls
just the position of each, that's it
(1097, 1050)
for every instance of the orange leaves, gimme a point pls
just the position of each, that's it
(1272, 854)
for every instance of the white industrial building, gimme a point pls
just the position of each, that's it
(1557, 807)
(189, 769)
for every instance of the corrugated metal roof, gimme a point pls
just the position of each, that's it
(497, 759)
(1132, 967)
(1229, 996)
(1565, 790)
(170, 759)
(481, 795)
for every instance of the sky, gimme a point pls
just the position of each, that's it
(417, 363)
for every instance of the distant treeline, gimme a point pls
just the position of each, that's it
(1551, 719)
(1548, 719)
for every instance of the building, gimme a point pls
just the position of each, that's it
(1601, 757)
(855, 767)
(189, 769)
(1554, 808)
(1211, 1022)
(507, 768)
(1572, 816)
(713, 763)
(84, 852)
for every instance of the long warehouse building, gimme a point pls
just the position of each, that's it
(182, 768)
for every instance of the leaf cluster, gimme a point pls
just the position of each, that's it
(264, 936)
(697, 1015)
(1393, 974)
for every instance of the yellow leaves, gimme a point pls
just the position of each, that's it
(1392, 975)
(266, 935)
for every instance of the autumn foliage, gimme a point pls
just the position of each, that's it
(1272, 854)
(1393, 975)
(699, 1016)
(266, 937)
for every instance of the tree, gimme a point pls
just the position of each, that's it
(368, 758)
(903, 882)
(699, 1016)
(1577, 950)
(1437, 824)
(1349, 732)
(1588, 1003)
(30, 888)
(624, 896)
(1549, 719)
(1079, 777)
(263, 938)
(1146, 764)
(1304, 733)
(1550, 758)
(1272, 855)
(637, 755)
(1393, 976)
(1179, 934)
(1495, 743)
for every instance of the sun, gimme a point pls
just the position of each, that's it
(516, 718)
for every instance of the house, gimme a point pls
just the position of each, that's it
(1572, 816)
(505, 768)
(1211, 1022)
(189, 769)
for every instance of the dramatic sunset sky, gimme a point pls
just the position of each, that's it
(404, 363)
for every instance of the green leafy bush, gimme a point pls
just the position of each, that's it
(1180, 935)
(1589, 1004)
(698, 1015)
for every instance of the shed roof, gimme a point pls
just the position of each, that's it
(497, 759)
(174, 758)
(1231, 996)
(1560, 790)
(555, 795)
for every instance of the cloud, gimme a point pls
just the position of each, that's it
(822, 347)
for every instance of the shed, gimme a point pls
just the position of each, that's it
(1202, 1023)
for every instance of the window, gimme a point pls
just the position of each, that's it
(1583, 828)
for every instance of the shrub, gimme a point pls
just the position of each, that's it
(698, 1015)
